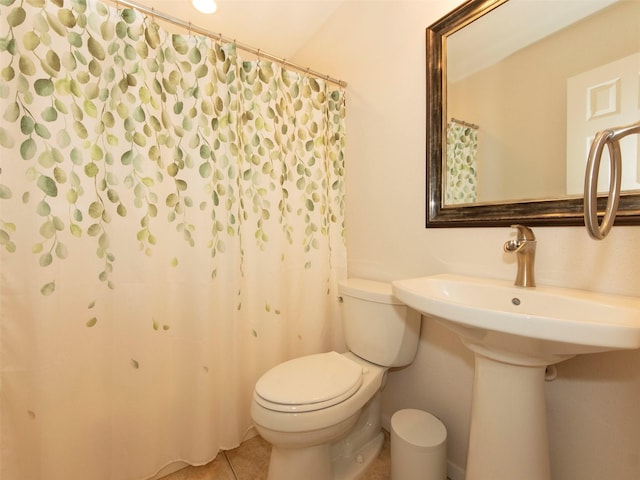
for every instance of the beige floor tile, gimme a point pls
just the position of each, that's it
(250, 460)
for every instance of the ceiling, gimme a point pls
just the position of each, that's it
(510, 27)
(277, 27)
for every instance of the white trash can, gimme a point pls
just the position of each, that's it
(418, 446)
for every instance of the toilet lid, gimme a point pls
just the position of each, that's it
(309, 383)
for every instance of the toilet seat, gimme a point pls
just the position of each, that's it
(309, 383)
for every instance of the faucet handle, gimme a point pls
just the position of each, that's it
(524, 233)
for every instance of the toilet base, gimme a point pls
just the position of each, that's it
(345, 459)
(314, 463)
(311, 463)
(351, 468)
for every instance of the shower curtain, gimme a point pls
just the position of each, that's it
(171, 226)
(462, 169)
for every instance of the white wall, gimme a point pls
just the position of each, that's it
(378, 47)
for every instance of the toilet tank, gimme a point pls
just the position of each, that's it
(377, 326)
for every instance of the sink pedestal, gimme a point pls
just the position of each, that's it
(515, 334)
(508, 438)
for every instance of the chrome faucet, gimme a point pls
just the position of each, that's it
(524, 246)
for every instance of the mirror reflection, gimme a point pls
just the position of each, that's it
(527, 87)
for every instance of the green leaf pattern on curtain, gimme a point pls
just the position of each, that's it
(203, 130)
(462, 168)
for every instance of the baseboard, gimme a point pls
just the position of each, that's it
(169, 469)
(454, 472)
(250, 433)
(386, 422)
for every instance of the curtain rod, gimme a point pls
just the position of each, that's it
(466, 124)
(218, 36)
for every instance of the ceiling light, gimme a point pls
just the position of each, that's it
(205, 6)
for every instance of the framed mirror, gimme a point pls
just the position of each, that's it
(516, 89)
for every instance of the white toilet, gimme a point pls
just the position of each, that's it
(321, 413)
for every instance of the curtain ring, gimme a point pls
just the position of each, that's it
(190, 27)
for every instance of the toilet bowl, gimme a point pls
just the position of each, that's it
(321, 413)
(302, 435)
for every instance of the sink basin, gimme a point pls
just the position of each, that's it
(540, 322)
(515, 333)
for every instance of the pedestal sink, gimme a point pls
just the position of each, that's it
(515, 333)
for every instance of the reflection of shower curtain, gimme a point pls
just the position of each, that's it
(170, 227)
(461, 171)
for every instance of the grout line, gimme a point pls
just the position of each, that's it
(233, 470)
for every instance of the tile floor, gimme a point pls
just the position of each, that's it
(250, 460)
